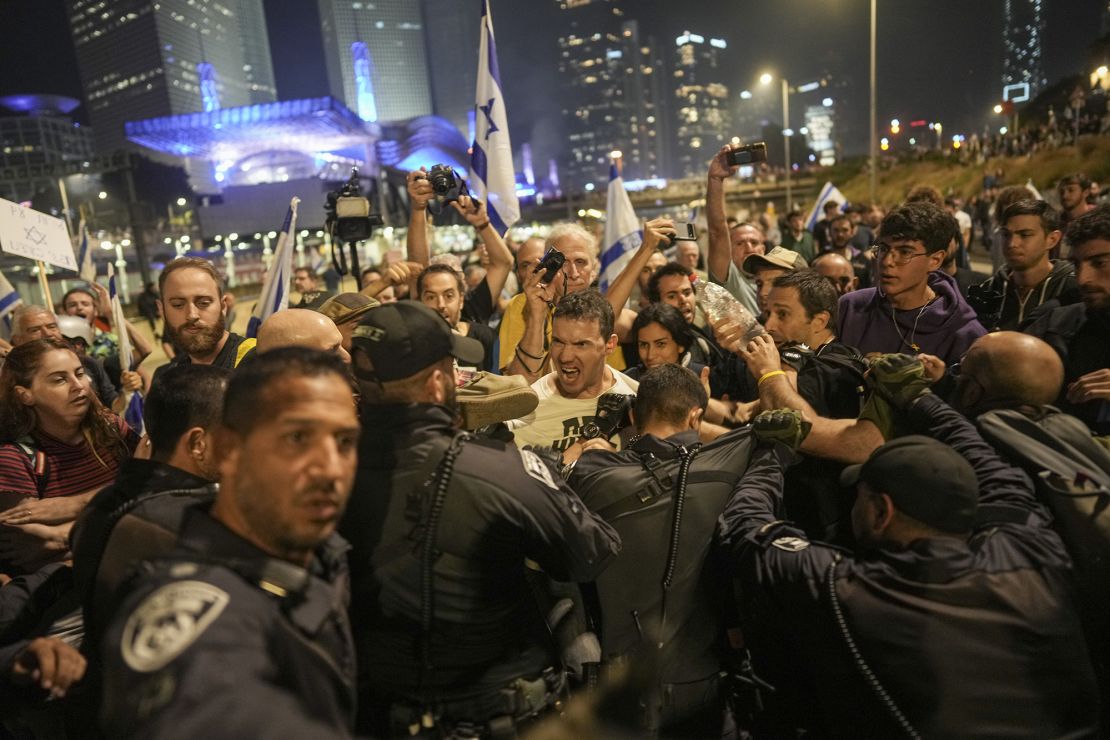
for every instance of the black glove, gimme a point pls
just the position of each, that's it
(785, 426)
(898, 379)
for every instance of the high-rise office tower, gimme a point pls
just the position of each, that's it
(1022, 35)
(611, 94)
(147, 58)
(451, 31)
(376, 57)
(701, 105)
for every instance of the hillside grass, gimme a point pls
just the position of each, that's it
(953, 178)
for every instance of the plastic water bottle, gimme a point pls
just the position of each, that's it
(719, 304)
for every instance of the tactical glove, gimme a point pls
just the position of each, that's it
(785, 426)
(898, 379)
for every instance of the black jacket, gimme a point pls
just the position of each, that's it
(969, 639)
(1082, 339)
(1059, 285)
(634, 491)
(503, 506)
(218, 640)
(135, 519)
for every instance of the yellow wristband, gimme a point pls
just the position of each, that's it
(769, 375)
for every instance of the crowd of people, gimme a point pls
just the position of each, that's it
(859, 492)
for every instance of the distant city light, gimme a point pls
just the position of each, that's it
(765, 78)
(998, 108)
(809, 87)
(827, 102)
(181, 201)
(102, 195)
(589, 187)
(615, 154)
(745, 94)
(788, 132)
(1003, 130)
(105, 245)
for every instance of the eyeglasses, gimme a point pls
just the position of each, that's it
(900, 255)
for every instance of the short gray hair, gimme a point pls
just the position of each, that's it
(574, 231)
(23, 311)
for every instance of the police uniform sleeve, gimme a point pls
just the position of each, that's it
(183, 660)
(755, 541)
(570, 542)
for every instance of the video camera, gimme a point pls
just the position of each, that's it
(349, 216)
(349, 220)
(611, 416)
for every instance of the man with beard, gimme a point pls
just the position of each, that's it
(441, 289)
(242, 630)
(842, 232)
(1080, 333)
(195, 309)
(1073, 191)
(449, 639)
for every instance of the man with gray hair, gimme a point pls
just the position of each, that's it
(526, 326)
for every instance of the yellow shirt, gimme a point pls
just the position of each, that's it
(512, 331)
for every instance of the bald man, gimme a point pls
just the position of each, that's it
(837, 270)
(301, 327)
(1006, 369)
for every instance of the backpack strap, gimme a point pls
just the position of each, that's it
(39, 463)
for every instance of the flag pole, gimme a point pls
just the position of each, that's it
(44, 286)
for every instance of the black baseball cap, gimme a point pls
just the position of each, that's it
(926, 479)
(405, 337)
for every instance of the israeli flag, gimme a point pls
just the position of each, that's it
(275, 287)
(9, 297)
(828, 192)
(133, 400)
(491, 155)
(623, 234)
(85, 267)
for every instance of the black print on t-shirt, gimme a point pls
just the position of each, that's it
(572, 430)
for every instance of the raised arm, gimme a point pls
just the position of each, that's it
(720, 244)
(500, 258)
(621, 288)
(529, 353)
(416, 241)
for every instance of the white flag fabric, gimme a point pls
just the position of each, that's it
(9, 297)
(85, 267)
(275, 287)
(1033, 189)
(133, 400)
(623, 234)
(491, 155)
(828, 192)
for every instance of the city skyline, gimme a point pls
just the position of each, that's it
(530, 66)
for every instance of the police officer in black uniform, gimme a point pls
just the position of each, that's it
(242, 631)
(662, 602)
(953, 618)
(450, 642)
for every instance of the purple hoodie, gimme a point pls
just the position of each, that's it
(946, 328)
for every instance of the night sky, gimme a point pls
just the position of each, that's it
(937, 59)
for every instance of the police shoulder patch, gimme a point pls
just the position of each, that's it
(536, 468)
(168, 621)
(790, 544)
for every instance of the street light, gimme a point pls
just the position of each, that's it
(102, 195)
(998, 108)
(181, 202)
(765, 78)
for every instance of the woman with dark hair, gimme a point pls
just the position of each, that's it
(58, 446)
(661, 336)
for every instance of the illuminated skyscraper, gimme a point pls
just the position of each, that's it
(376, 50)
(1022, 34)
(145, 58)
(611, 94)
(702, 120)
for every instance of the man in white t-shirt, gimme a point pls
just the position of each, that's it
(581, 337)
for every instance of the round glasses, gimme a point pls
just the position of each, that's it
(900, 255)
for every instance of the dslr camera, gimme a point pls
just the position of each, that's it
(446, 184)
(611, 416)
(349, 216)
(747, 154)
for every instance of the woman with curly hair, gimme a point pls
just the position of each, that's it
(58, 446)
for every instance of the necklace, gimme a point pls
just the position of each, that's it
(913, 332)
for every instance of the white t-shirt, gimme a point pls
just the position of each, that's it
(963, 220)
(557, 422)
